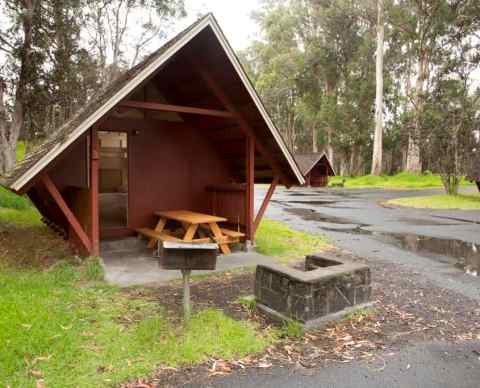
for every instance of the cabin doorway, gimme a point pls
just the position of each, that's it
(113, 180)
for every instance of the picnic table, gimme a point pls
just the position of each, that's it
(192, 223)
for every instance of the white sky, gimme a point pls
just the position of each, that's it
(232, 15)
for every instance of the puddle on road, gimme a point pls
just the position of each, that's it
(357, 230)
(425, 222)
(312, 215)
(466, 254)
(325, 203)
(461, 254)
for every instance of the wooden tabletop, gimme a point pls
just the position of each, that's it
(189, 217)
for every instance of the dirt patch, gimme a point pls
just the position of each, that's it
(408, 310)
(32, 247)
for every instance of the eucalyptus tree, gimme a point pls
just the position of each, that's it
(378, 136)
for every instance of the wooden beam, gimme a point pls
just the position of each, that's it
(225, 100)
(94, 189)
(250, 187)
(72, 220)
(265, 203)
(175, 108)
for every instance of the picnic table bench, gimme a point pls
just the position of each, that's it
(193, 223)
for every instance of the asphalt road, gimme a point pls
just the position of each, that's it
(432, 365)
(440, 245)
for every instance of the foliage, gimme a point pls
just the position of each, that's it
(291, 328)
(21, 149)
(93, 269)
(275, 238)
(314, 66)
(459, 201)
(11, 200)
(401, 180)
(249, 303)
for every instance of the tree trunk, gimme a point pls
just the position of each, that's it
(414, 165)
(9, 132)
(7, 155)
(378, 139)
(314, 140)
(328, 130)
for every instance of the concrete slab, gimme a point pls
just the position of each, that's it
(127, 268)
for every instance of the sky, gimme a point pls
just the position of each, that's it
(232, 15)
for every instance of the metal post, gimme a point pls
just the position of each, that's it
(186, 293)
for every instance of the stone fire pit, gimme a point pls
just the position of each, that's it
(326, 289)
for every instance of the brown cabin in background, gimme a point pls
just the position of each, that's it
(315, 168)
(184, 129)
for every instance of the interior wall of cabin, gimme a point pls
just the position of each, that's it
(170, 167)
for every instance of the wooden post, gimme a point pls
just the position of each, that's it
(72, 220)
(250, 188)
(187, 308)
(95, 217)
(265, 202)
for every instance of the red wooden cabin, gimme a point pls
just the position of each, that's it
(315, 168)
(184, 129)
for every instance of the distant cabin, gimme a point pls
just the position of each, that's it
(315, 168)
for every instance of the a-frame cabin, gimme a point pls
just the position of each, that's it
(316, 168)
(184, 129)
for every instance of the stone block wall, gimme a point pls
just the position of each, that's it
(326, 287)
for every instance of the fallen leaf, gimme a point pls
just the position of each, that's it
(265, 365)
(40, 383)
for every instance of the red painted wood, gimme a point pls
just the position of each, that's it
(265, 203)
(171, 166)
(175, 108)
(94, 187)
(230, 106)
(249, 197)
(72, 220)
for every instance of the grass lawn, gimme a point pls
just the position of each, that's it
(21, 150)
(460, 201)
(402, 180)
(60, 323)
(275, 238)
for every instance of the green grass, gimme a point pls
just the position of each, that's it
(72, 336)
(460, 201)
(21, 150)
(60, 323)
(13, 201)
(402, 180)
(275, 238)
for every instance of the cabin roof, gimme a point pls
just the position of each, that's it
(105, 100)
(307, 161)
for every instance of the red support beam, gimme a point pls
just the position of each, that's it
(175, 108)
(250, 187)
(265, 203)
(72, 220)
(225, 100)
(94, 207)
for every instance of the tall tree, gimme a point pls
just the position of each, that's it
(378, 137)
(25, 12)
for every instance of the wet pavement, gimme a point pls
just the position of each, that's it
(425, 365)
(444, 245)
